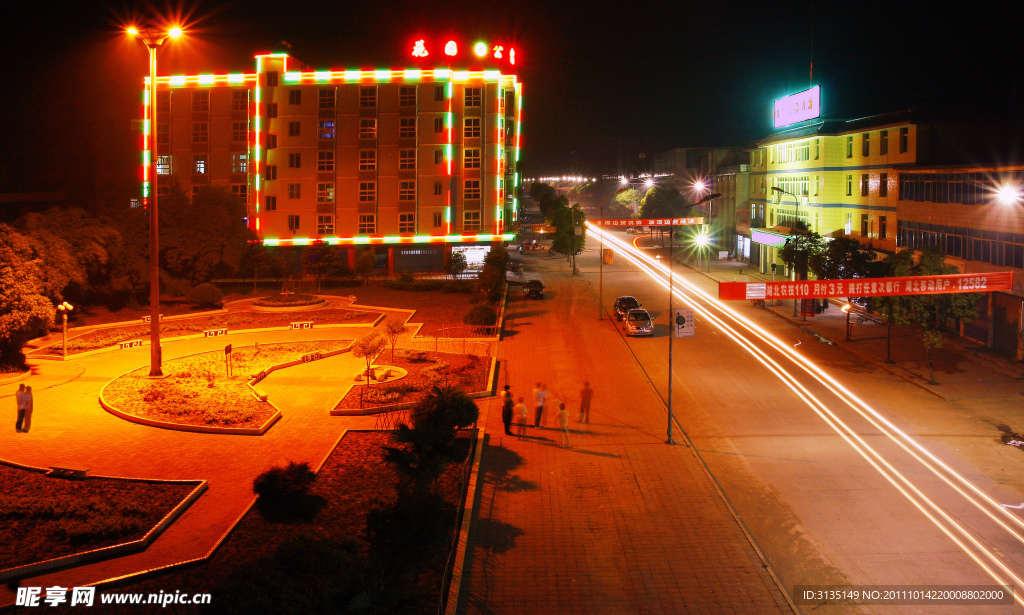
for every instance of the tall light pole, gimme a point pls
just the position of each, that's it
(65, 308)
(796, 218)
(153, 39)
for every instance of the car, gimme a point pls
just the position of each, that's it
(638, 322)
(631, 230)
(533, 288)
(623, 305)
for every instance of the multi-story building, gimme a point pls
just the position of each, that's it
(414, 160)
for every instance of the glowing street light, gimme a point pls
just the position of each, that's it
(1008, 194)
(64, 309)
(153, 39)
(649, 182)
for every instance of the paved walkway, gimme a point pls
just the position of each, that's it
(619, 523)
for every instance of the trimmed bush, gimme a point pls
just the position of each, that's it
(287, 300)
(481, 315)
(205, 295)
(284, 484)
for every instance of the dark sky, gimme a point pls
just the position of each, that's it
(599, 78)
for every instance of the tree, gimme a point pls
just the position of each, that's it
(455, 263)
(368, 347)
(896, 309)
(25, 310)
(365, 263)
(799, 249)
(622, 205)
(393, 329)
(566, 220)
(319, 257)
(661, 202)
(129, 270)
(491, 282)
(843, 258)
(259, 257)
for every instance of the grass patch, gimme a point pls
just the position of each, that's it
(197, 391)
(425, 370)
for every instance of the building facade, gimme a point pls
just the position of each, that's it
(419, 161)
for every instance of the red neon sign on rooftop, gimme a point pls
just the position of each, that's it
(475, 52)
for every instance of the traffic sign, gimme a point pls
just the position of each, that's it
(684, 322)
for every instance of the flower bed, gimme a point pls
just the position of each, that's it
(44, 517)
(197, 392)
(353, 480)
(425, 369)
(288, 300)
(104, 338)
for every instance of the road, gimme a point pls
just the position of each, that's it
(829, 497)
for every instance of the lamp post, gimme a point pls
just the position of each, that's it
(153, 39)
(64, 309)
(796, 214)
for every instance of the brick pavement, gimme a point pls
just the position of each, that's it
(620, 523)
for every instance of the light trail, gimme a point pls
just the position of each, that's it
(918, 499)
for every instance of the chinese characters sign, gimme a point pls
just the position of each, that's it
(798, 107)
(647, 222)
(869, 287)
(476, 52)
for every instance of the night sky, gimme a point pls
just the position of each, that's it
(599, 79)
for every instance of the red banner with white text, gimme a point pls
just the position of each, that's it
(646, 221)
(869, 287)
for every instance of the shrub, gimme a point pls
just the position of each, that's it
(481, 315)
(205, 295)
(281, 484)
(406, 277)
(406, 533)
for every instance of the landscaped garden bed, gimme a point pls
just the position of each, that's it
(290, 300)
(425, 369)
(197, 391)
(316, 561)
(104, 338)
(45, 518)
(440, 312)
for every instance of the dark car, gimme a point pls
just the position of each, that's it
(625, 304)
(533, 288)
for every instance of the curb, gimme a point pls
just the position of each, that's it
(473, 495)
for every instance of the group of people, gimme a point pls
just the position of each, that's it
(24, 398)
(541, 395)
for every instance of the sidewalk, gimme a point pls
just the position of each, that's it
(619, 523)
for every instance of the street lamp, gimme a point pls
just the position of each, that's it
(847, 307)
(796, 217)
(153, 39)
(64, 309)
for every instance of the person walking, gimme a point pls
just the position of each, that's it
(585, 396)
(19, 397)
(28, 410)
(541, 393)
(506, 412)
(521, 412)
(563, 422)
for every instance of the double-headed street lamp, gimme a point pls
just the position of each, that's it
(153, 38)
(796, 218)
(65, 308)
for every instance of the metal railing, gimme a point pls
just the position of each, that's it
(451, 345)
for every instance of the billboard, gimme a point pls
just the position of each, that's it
(869, 287)
(798, 107)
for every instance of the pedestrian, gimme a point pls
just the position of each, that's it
(521, 412)
(541, 393)
(585, 396)
(19, 397)
(563, 422)
(506, 413)
(504, 394)
(28, 410)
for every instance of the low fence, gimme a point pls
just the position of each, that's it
(387, 421)
(452, 345)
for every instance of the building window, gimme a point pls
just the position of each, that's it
(849, 147)
(271, 141)
(325, 99)
(199, 165)
(473, 97)
(438, 124)
(293, 223)
(904, 140)
(270, 171)
(368, 96)
(325, 225)
(864, 181)
(294, 191)
(883, 227)
(295, 161)
(201, 100)
(271, 79)
(472, 190)
(848, 227)
(883, 142)
(849, 185)
(325, 193)
(367, 160)
(294, 97)
(407, 159)
(294, 129)
(238, 131)
(438, 219)
(406, 223)
(240, 190)
(438, 156)
(368, 128)
(864, 225)
(239, 163)
(325, 161)
(271, 110)
(817, 184)
(865, 144)
(163, 102)
(163, 134)
(407, 96)
(472, 158)
(407, 190)
(883, 185)
(271, 204)
(325, 129)
(438, 93)
(367, 224)
(163, 165)
(472, 129)
(200, 132)
(367, 192)
(817, 148)
(438, 188)
(239, 100)
(471, 221)
(407, 128)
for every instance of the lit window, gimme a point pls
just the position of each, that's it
(163, 102)
(199, 165)
(865, 144)
(294, 97)
(367, 191)
(438, 219)
(439, 93)
(271, 141)
(294, 191)
(240, 190)
(407, 96)
(238, 131)
(201, 100)
(407, 191)
(368, 128)
(367, 160)
(293, 223)
(271, 203)
(472, 159)
(407, 128)
(326, 98)
(239, 163)
(295, 161)
(293, 129)
(325, 193)
(271, 79)
(325, 225)
(325, 161)
(326, 129)
(473, 97)
(472, 130)
(406, 223)
(407, 159)
(471, 221)
(163, 165)
(472, 191)
(367, 224)
(239, 100)
(200, 132)
(368, 96)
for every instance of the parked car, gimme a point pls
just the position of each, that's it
(623, 305)
(533, 288)
(638, 322)
(631, 230)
